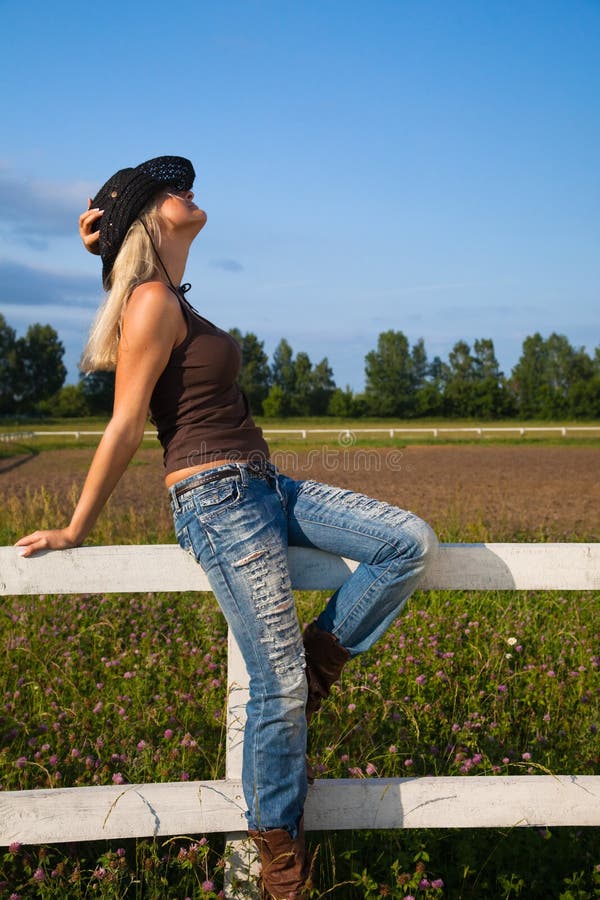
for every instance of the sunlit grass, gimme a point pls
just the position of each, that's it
(121, 689)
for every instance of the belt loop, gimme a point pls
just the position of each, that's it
(243, 473)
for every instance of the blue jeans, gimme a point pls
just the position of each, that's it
(238, 521)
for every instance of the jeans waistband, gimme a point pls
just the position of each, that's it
(259, 467)
(194, 481)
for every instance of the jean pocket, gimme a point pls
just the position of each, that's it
(212, 499)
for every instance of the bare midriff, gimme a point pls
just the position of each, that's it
(173, 477)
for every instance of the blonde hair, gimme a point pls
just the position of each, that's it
(136, 262)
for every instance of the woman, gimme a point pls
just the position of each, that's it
(232, 508)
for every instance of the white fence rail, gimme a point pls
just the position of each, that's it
(346, 434)
(138, 810)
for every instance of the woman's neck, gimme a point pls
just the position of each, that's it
(173, 255)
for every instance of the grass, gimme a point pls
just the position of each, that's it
(120, 689)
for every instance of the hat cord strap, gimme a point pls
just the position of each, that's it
(184, 287)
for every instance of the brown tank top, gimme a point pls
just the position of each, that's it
(200, 412)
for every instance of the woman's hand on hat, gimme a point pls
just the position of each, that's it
(87, 221)
(56, 539)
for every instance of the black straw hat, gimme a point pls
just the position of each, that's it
(127, 192)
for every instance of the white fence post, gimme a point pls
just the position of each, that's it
(242, 867)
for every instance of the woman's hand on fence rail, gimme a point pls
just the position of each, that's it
(55, 539)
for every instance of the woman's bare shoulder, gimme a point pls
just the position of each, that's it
(152, 303)
(153, 296)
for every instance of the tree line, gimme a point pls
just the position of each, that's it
(551, 380)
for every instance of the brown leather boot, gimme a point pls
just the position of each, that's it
(285, 864)
(325, 659)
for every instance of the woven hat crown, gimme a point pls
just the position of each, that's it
(127, 192)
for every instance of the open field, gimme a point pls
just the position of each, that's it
(112, 689)
(467, 492)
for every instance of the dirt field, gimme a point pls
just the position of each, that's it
(467, 492)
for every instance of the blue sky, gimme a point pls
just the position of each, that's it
(429, 167)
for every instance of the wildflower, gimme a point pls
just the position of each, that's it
(14, 847)
(118, 778)
(437, 883)
(502, 689)
(168, 734)
(39, 874)
(408, 763)
(371, 770)
(526, 756)
(511, 641)
(21, 762)
(424, 883)
(141, 745)
(98, 707)
(351, 707)
(208, 885)
(393, 748)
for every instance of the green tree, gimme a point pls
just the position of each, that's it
(7, 368)
(275, 402)
(283, 372)
(459, 378)
(305, 389)
(323, 387)
(341, 403)
(39, 368)
(490, 398)
(68, 403)
(303, 386)
(389, 372)
(473, 383)
(98, 390)
(553, 380)
(255, 376)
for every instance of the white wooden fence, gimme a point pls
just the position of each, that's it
(139, 810)
(347, 435)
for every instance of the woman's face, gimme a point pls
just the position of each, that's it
(178, 211)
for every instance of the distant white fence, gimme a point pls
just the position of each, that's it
(139, 810)
(347, 434)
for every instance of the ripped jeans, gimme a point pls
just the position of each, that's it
(238, 520)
